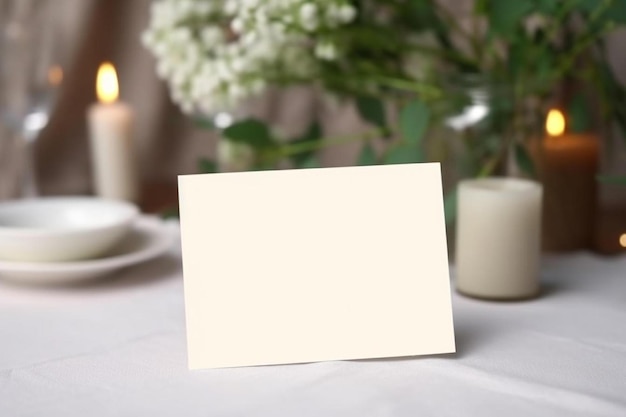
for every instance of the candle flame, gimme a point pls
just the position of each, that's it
(622, 240)
(555, 123)
(55, 75)
(107, 88)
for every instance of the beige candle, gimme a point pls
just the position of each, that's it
(110, 128)
(567, 166)
(498, 238)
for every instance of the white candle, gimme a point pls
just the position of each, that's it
(498, 238)
(110, 131)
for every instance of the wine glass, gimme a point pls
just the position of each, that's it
(30, 73)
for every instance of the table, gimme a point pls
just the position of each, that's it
(117, 347)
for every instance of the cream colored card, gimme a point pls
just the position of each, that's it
(315, 264)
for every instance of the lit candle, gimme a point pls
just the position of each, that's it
(567, 166)
(110, 128)
(498, 238)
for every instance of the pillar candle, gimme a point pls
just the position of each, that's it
(568, 166)
(498, 238)
(110, 129)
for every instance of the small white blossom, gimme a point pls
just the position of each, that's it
(326, 51)
(237, 25)
(308, 16)
(347, 13)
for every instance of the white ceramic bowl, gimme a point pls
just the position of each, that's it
(62, 228)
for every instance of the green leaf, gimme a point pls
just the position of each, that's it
(523, 160)
(506, 16)
(252, 132)
(518, 56)
(367, 156)
(372, 110)
(450, 206)
(612, 180)
(203, 123)
(313, 134)
(548, 7)
(414, 118)
(311, 162)
(587, 5)
(206, 166)
(579, 118)
(617, 11)
(544, 65)
(480, 6)
(403, 154)
(170, 213)
(425, 17)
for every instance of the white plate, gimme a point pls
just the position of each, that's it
(148, 239)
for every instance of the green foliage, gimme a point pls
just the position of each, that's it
(414, 119)
(505, 17)
(424, 16)
(579, 114)
(311, 162)
(170, 213)
(311, 137)
(203, 123)
(251, 132)
(532, 62)
(403, 154)
(206, 166)
(618, 11)
(367, 156)
(450, 206)
(612, 180)
(523, 160)
(372, 110)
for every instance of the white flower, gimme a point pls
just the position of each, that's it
(249, 38)
(308, 16)
(215, 54)
(326, 51)
(347, 13)
(237, 25)
(231, 6)
(211, 36)
(238, 64)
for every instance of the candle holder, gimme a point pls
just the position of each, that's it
(498, 238)
(482, 127)
(567, 166)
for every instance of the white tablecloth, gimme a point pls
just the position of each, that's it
(117, 348)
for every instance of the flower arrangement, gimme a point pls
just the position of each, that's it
(216, 54)
(393, 53)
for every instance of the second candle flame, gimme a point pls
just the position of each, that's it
(107, 88)
(555, 123)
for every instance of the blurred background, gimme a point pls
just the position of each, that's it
(83, 34)
(93, 31)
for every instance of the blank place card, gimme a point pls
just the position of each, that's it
(313, 265)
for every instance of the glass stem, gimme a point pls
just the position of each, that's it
(28, 186)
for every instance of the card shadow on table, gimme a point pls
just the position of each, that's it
(469, 339)
(474, 333)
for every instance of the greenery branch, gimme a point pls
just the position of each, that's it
(529, 64)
